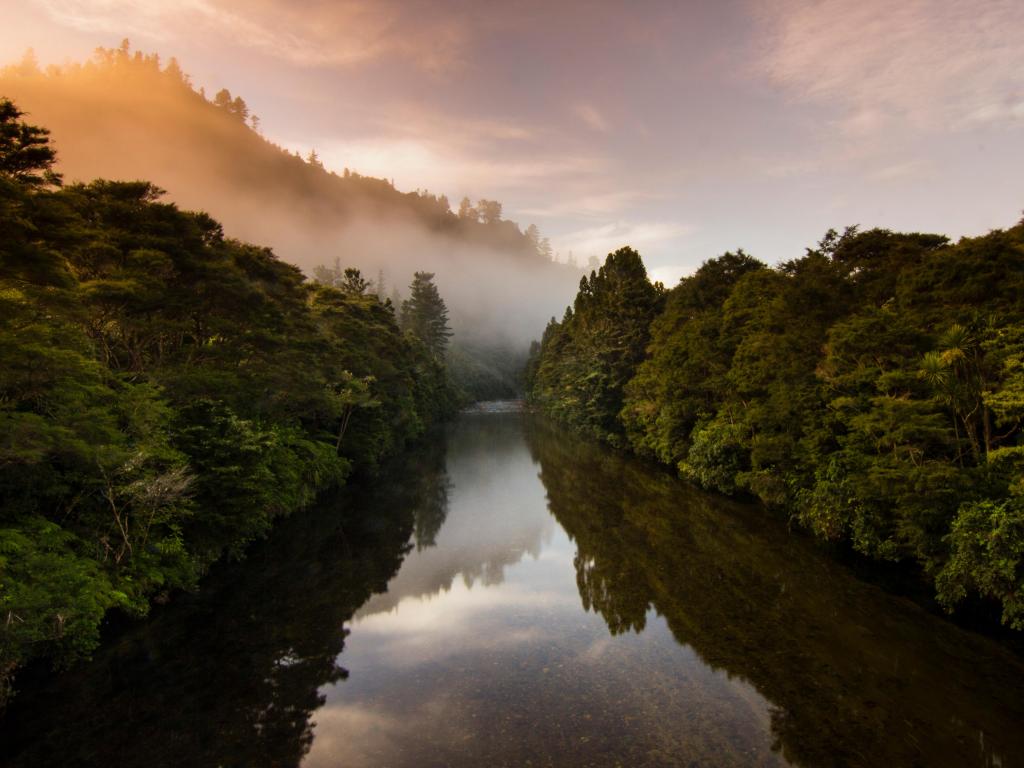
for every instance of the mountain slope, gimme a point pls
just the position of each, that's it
(123, 116)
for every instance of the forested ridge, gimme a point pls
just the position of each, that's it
(125, 114)
(128, 114)
(166, 392)
(872, 390)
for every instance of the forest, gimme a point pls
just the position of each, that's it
(167, 392)
(127, 114)
(871, 390)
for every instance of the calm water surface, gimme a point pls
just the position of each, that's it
(515, 596)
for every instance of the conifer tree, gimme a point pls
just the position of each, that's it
(425, 315)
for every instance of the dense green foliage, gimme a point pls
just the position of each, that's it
(165, 393)
(125, 114)
(873, 389)
(580, 370)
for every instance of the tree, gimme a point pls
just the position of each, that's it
(223, 99)
(353, 282)
(25, 152)
(545, 250)
(533, 237)
(987, 543)
(467, 212)
(586, 360)
(425, 315)
(240, 109)
(175, 72)
(331, 276)
(29, 64)
(349, 394)
(682, 381)
(489, 211)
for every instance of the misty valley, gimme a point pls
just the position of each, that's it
(298, 468)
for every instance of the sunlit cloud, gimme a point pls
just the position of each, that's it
(305, 34)
(598, 241)
(433, 164)
(937, 64)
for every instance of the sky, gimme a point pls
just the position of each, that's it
(684, 129)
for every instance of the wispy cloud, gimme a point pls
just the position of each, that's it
(939, 64)
(584, 203)
(424, 147)
(341, 33)
(899, 171)
(592, 117)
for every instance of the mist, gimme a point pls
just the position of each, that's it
(492, 295)
(127, 117)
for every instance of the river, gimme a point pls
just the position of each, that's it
(511, 595)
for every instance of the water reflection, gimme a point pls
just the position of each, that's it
(479, 653)
(521, 597)
(494, 514)
(855, 676)
(231, 676)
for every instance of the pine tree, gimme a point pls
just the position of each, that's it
(425, 315)
(25, 152)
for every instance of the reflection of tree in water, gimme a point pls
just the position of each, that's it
(231, 675)
(432, 509)
(857, 677)
(480, 542)
(605, 589)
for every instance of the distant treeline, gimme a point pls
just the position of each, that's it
(872, 389)
(167, 392)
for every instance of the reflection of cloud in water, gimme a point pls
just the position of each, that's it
(497, 514)
(478, 655)
(557, 688)
(457, 621)
(366, 736)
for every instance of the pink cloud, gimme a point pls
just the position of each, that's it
(938, 64)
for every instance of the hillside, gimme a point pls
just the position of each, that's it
(125, 116)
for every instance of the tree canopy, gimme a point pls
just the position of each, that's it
(166, 393)
(870, 389)
(425, 316)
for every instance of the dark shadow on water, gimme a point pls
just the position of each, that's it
(230, 676)
(856, 676)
